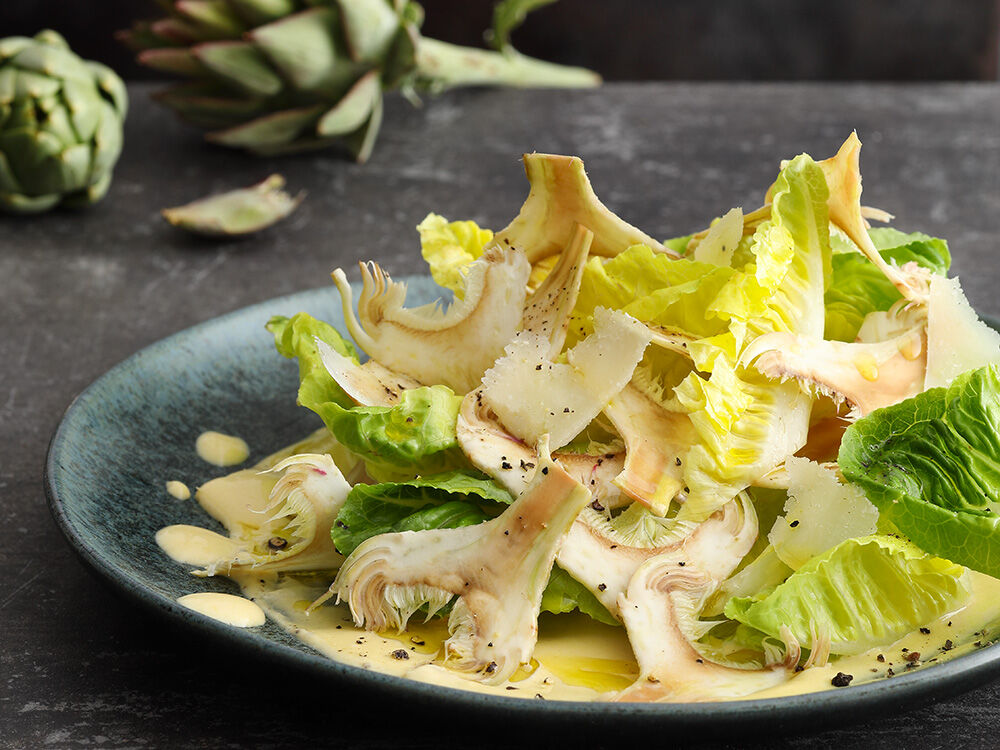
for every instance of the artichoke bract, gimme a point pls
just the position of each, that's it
(60, 124)
(278, 76)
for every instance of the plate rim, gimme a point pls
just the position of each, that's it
(818, 709)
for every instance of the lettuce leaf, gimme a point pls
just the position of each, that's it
(859, 288)
(564, 594)
(440, 501)
(862, 593)
(653, 288)
(931, 464)
(294, 338)
(449, 247)
(415, 436)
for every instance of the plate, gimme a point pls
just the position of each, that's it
(135, 427)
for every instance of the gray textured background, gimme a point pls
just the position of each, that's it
(79, 291)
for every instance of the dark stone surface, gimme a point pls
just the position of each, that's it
(81, 291)
(650, 40)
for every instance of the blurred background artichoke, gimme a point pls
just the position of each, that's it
(60, 124)
(276, 76)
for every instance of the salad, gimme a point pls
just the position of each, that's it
(759, 451)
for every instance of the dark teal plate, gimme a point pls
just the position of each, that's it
(136, 426)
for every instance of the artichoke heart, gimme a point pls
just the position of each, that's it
(497, 569)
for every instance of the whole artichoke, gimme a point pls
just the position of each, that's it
(60, 124)
(275, 76)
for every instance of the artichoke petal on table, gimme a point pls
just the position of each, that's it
(60, 124)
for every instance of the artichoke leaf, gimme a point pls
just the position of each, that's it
(237, 212)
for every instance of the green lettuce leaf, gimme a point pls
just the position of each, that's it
(931, 464)
(862, 593)
(653, 288)
(859, 288)
(449, 247)
(678, 244)
(294, 338)
(746, 424)
(440, 501)
(415, 436)
(564, 594)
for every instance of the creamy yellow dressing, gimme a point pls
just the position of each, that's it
(576, 658)
(232, 610)
(178, 490)
(221, 450)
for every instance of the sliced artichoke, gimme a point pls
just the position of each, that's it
(843, 177)
(655, 439)
(368, 384)
(534, 396)
(660, 612)
(453, 347)
(561, 197)
(497, 453)
(547, 310)
(867, 376)
(498, 570)
(236, 212)
(603, 553)
(292, 532)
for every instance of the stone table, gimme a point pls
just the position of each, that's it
(80, 291)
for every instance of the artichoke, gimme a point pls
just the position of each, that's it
(60, 124)
(278, 76)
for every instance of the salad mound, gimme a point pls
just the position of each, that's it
(757, 448)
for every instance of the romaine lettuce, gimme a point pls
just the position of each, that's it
(931, 464)
(449, 247)
(416, 436)
(653, 288)
(295, 338)
(439, 501)
(860, 594)
(859, 287)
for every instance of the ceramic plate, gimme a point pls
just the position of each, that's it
(135, 428)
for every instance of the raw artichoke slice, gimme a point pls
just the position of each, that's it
(367, 384)
(660, 612)
(497, 569)
(547, 310)
(498, 454)
(561, 197)
(655, 439)
(867, 376)
(453, 347)
(292, 532)
(843, 177)
(237, 212)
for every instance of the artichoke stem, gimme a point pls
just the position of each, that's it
(449, 65)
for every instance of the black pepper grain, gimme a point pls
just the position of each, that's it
(841, 679)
